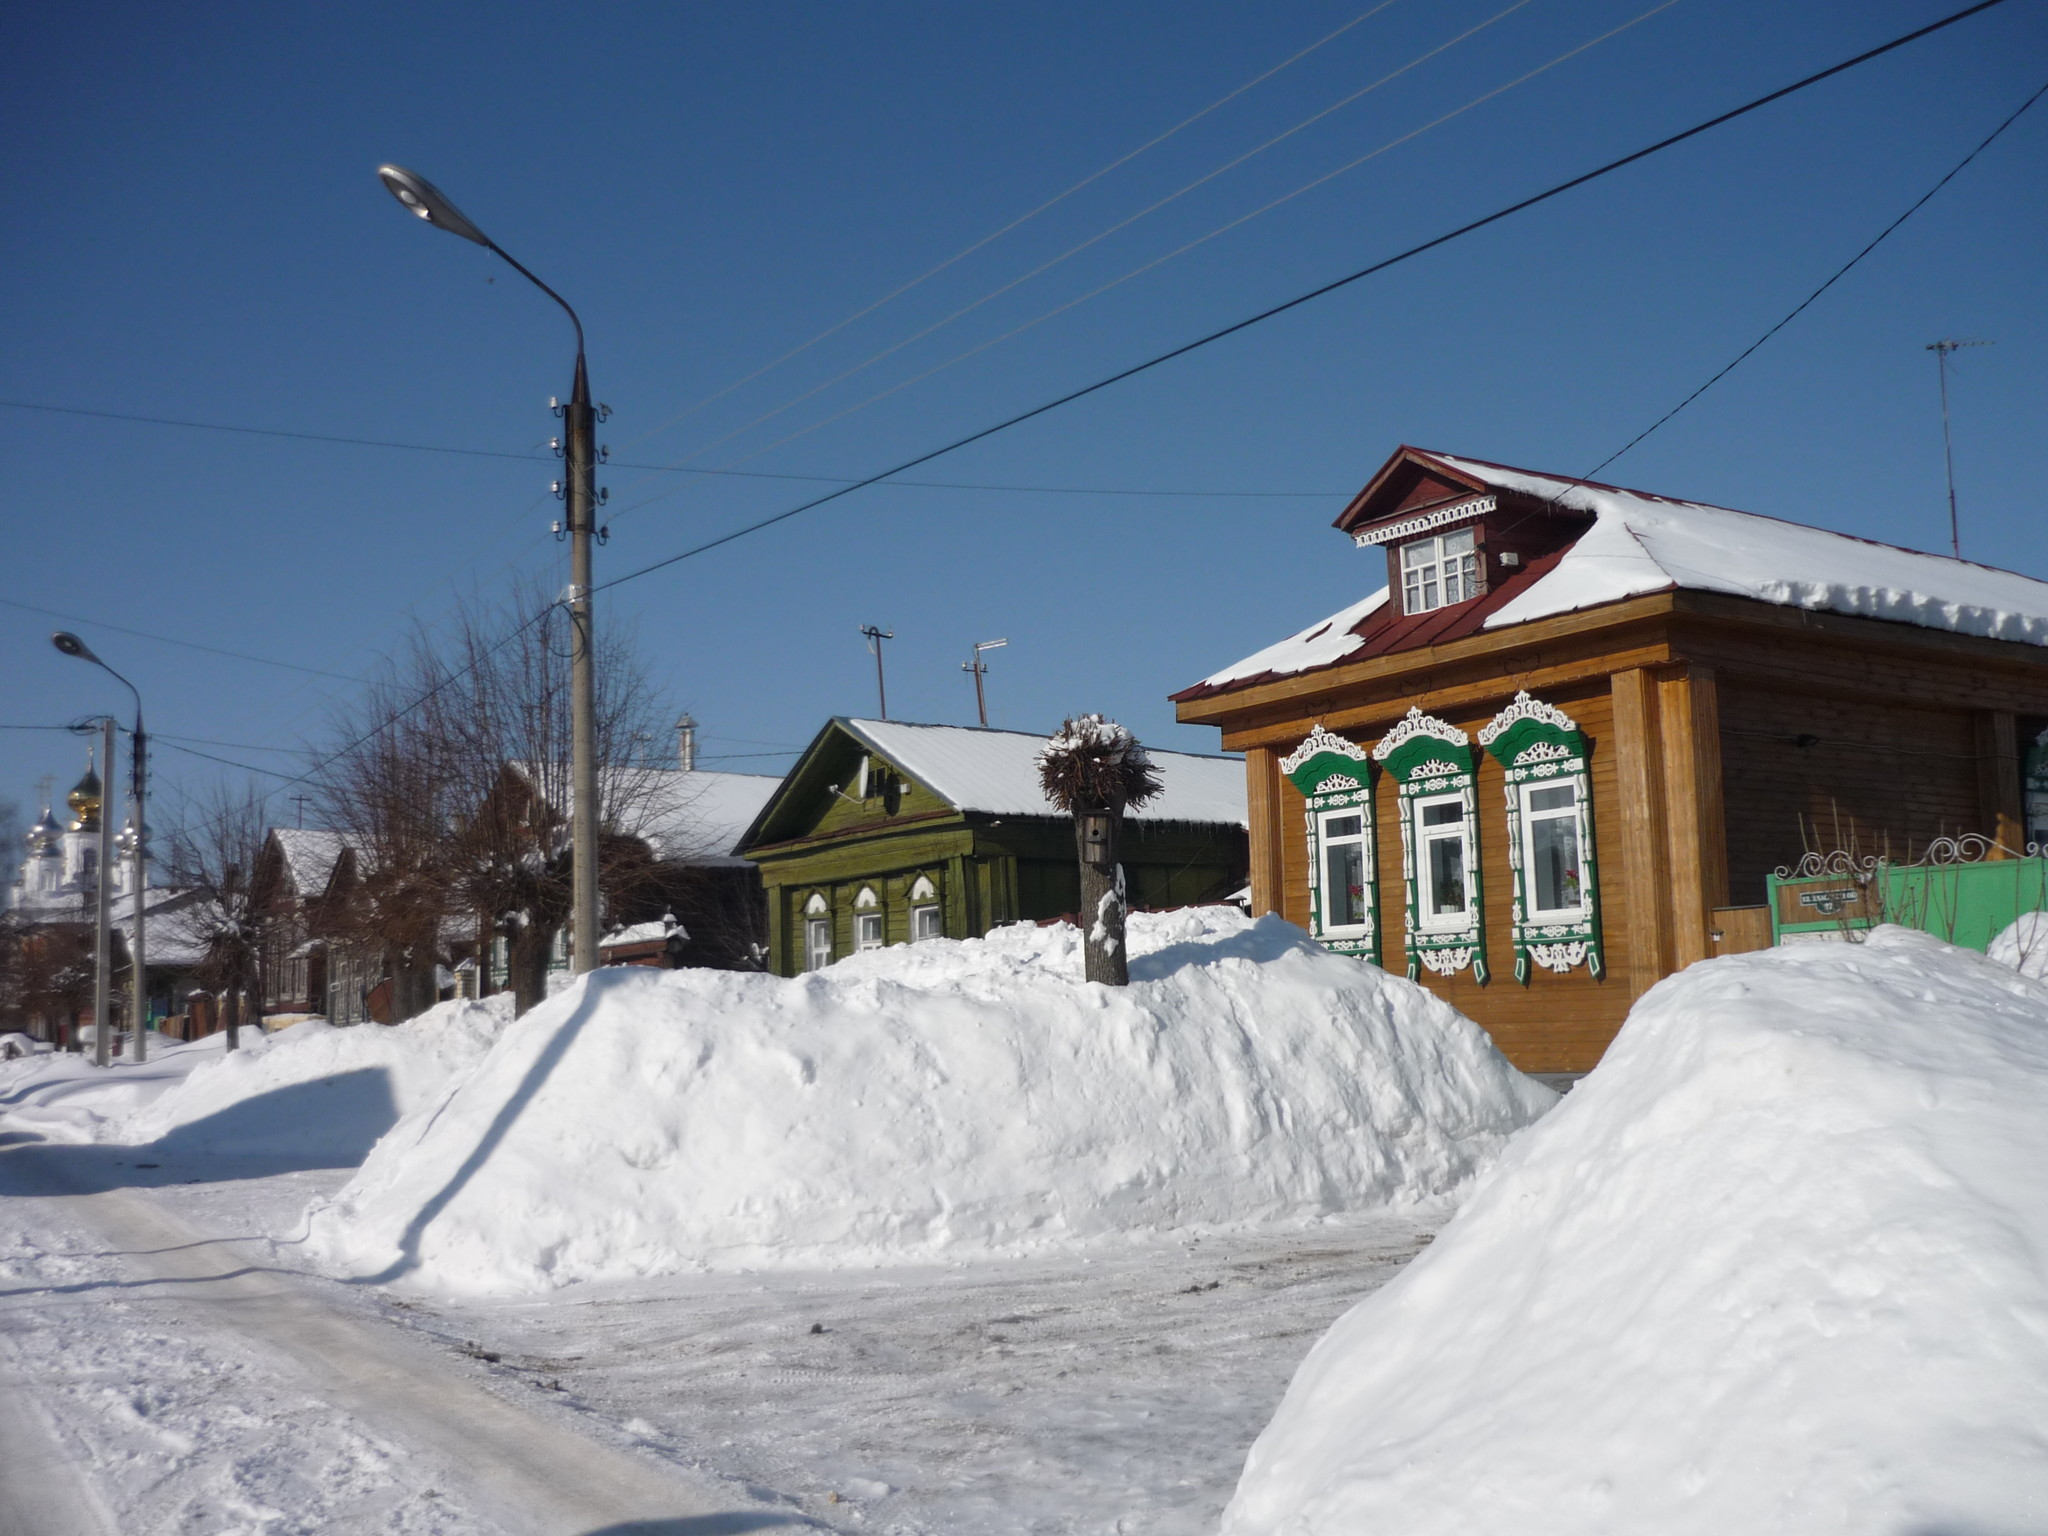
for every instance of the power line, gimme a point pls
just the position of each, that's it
(1315, 293)
(1019, 221)
(675, 469)
(1840, 272)
(190, 645)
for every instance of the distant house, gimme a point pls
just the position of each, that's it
(1554, 752)
(293, 876)
(889, 833)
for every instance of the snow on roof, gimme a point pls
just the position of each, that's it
(700, 815)
(1642, 543)
(694, 815)
(309, 855)
(996, 772)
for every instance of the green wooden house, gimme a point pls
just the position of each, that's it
(891, 833)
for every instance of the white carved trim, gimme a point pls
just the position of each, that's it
(1543, 752)
(1560, 957)
(1337, 781)
(1416, 723)
(1448, 962)
(866, 898)
(816, 907)
(1457, 512)
(1525, 708)
(1436, 770)
(922, 889)
(1320, 740)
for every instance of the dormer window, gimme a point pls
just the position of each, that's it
(1439, 571)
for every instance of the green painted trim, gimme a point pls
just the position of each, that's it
(1534, 741)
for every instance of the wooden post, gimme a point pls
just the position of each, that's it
(1690, 725)
(1262, 802)
(1102, 897)
(1998, 782)
(1638, 750)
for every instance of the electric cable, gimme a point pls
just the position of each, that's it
(1315, 293)
(1124, 223)
(1159, 261)
(1018, 222)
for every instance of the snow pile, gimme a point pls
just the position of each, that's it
(314, 1090)
(2024, 946)
(62, 1096)
(1779, 1265)
(943, 1100)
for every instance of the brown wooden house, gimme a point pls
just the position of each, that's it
(1554, 759)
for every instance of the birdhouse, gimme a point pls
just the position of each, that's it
(1094, 837)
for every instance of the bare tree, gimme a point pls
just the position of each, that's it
(215, 852)
(459, 793)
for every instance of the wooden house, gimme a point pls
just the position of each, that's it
(890, 833)
(1554, 753)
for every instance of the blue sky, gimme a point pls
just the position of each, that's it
(195, 231)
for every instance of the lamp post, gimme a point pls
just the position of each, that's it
(138, 775)
(421, 197)
(980, 670)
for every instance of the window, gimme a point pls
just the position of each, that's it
(927, 922)
(1342, 840)
(1550, 833)
(817, 934)
(1444, 847)
(1439, 571)
(867, 931)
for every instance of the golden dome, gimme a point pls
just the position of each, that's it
(84, 800)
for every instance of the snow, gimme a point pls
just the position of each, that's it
(936, 1102)
(701, 815)
(1642, 543)
(310, 854)
(309, 1095)
(1320, 645)
(1780, 1264)
(2024, 945)
(996, 772)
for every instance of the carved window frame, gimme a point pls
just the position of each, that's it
(1538, 744)
(1335, 776)
(1431, 759)
(2034, 795)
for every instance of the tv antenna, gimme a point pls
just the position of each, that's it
(979, 668)
(1941, 350)
(875, 637)
(301, 801)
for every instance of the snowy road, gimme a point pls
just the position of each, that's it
(183, 1383)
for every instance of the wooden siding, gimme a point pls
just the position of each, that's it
(1806, 769)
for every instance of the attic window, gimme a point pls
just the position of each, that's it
(1439, 571)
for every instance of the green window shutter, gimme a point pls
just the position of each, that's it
(1433, 763)
(1335, 778)
(1556, 875)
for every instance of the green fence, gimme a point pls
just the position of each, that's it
(1966, 901)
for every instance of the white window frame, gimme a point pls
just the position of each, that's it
(1530, 816)
(1324, 842)
(1430, 583)
(867, 931)
(817, 933)
(927, 921)
(1427, 918)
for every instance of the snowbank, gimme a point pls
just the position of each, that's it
(942, 1100)
(313, 1090)
(2024, 946)
(1779, 1265)
(311, 1093)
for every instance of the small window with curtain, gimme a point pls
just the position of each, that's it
(1554, 886)
(927, 922)
(1439, 571)
(817, 934)
(1340, 837)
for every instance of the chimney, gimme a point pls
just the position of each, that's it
(686, 744)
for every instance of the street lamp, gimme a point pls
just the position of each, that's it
(138, 1013)
(422, 198)
(980, 670)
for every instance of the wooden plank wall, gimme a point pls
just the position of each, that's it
(1809, 769)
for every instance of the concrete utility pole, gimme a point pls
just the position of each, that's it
(138, 1014)
(1941, 350)
(979, 668)
(875, 637)
(102, 937)
(579, 489)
